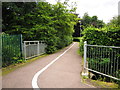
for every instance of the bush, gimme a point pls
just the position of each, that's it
(76, 39)
(53, 24)
(108, 36)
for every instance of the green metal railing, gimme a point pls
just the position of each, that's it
(11, 49)
(0, 51)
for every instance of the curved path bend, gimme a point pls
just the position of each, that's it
(64, 73)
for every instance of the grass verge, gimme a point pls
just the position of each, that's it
(101, 84)
(13, 67)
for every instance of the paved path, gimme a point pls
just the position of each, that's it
(64, 73)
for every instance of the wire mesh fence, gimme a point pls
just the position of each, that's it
(11, 49)
(0, 50)
(33, 48)
(104, 60)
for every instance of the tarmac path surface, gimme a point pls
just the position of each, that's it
(63, 73)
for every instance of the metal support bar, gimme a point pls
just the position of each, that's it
(85, 72)
(102, 74)
(85, 53)
(25, 50)
(38, 48)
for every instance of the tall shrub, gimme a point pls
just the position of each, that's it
(53, 24)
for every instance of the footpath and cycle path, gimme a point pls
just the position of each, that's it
(63, 73)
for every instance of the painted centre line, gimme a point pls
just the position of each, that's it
(34, 80)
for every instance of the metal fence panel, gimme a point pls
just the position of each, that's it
(104, 60)
(33, 49)
(0, 51)
(42, 47)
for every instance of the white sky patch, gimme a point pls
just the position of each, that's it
(104, 9)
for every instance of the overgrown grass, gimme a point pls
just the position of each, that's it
(102, 84)
(99, 83)
(13, 67)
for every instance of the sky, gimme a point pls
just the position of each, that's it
(104, 9)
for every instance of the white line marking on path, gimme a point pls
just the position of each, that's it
(34, 80)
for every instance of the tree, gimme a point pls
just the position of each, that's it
(64, 22)
(53, 24)
(88, 21)
(13, 15)
(115, 21)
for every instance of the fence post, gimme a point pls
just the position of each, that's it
(85, 53)
(25, 50)
(85, 71)
(38, 48)
(21, 46)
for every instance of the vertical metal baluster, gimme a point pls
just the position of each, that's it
(97, 58)
(104, 53)
(105, 63)
(111, 62)
(96, 51)
(33, 48)
(117, 75)
(26, 50)
(92, 57)
(87, 59)
(21, 47)
(34, 45)
(85, 53)
(38, 47)
(114, 70)
(101, 60)
(94, 60)
(29, 50)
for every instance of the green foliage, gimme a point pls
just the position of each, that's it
(88, 21)
(11, 49)
(53, 24)
(77, 39)
(114, 22)
(109, 35)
